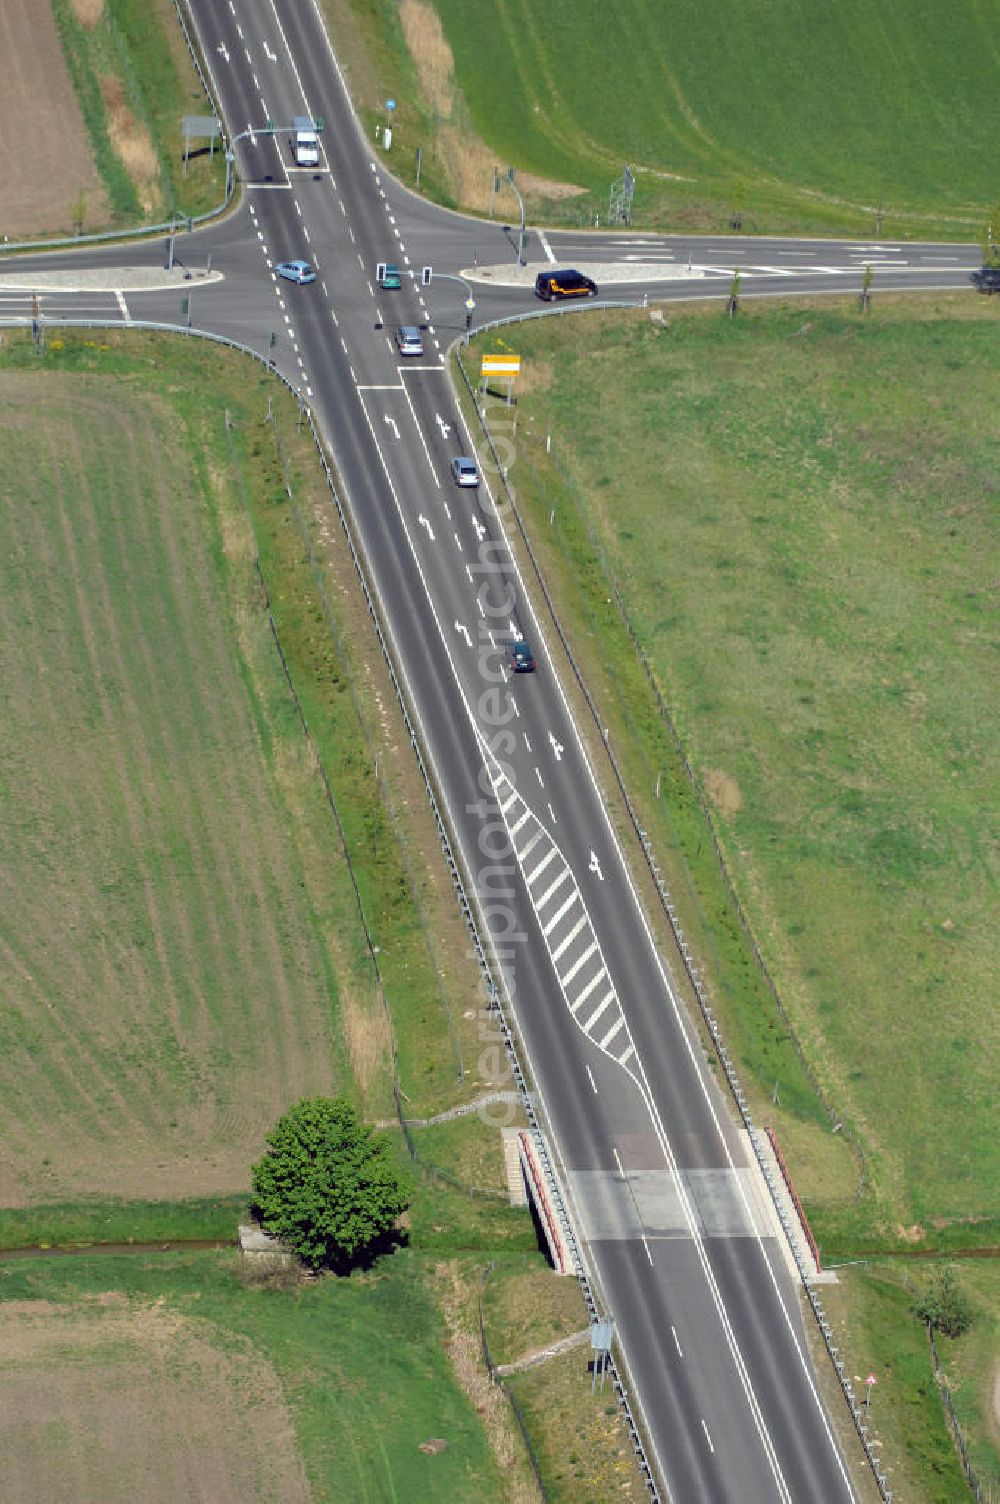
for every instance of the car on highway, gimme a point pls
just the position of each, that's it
(464, 471)
(986, 279)
(520, 659)
(390, 277)
(568, 284)
(296, 271)
(408, 340)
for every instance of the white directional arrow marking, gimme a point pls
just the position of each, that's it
(392, 424)
(480, 529)
(595, 866)
(557, 747)
(224, 51)
(272, 57)
(424, 523)
(463, 631)
(444, 427)
(513, 630)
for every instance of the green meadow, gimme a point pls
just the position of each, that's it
(802, 117)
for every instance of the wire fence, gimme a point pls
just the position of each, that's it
(496, 1378)
(982, 1493)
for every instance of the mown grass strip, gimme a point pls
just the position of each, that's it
(79, 51)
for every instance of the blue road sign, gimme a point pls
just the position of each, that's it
(390, 104)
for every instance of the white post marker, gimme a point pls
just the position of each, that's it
(870, 1381)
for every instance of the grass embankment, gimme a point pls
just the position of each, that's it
(802, 120)
(798, 511)
(135, 80)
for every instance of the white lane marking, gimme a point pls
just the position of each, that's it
(552, 813)
(531, 845)
(425, 523)
(468, 570)
(649, 1257)
(123, 306)
(463, 631)
(272, 57)
(458, 545)
(526, 741)
(592, 985)
(420, 432)
(512, 800)
(595, 866)
(591, 1021)
(481, 608)
(578, 964)
(562, 910)
(553, 887)
(677, 1344)
(707, 1437)
(549, 856)
(546, 247)
(619, 1023)
(557, 747)
(592, 1081)
(523, 821)
(513, 704)
(541, 780)
(626, 1054)
(223, 52)
(392, 423)
(565, 944)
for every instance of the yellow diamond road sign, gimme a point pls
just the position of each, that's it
(501, 365)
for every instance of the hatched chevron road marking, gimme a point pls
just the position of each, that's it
(568, 932)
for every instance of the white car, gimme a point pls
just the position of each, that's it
(464, 471)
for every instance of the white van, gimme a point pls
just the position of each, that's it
(305, 142)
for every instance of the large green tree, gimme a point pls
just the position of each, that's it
(328, 1186)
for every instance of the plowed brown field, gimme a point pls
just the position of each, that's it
(112, 1399)
(47, 161)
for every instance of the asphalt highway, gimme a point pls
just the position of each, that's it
(671, 1217)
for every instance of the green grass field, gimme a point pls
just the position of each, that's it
(799, 510)
(802, 117)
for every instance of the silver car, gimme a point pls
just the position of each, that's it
(464, 471)
(408, 340)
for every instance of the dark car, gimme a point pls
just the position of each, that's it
(986, 279)
(570, 284)
(520, 659)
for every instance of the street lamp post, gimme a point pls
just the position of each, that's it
(520, 200)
